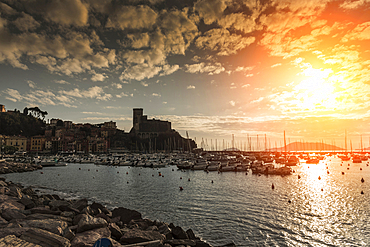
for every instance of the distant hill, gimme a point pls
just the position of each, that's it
(307, 146)
(16, 123)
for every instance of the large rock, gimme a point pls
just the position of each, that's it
(51, 225)
(166, 231)
(80, 204)
(27, 202)
(44, 210)
(115, 231)
(13, 241)
(88, 222)
(7, 202)
(88, 238)
(15, 191)
(184, 242)
(11, 214)
(179, 233)
(138, 236)
(44, 238)
(55, 204)
(126, 215)
(49, 216)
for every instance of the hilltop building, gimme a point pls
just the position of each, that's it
(2, 108)
(145, 128)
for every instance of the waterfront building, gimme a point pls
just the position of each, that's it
(19, 142)
(37, 143)
(145, 128)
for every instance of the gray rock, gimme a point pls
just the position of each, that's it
(12, 231)
(49, 216)
(137, 236)
(15, 191)
(77, 219)
(152, 228)
(88, 222)
(10, 214)
(68, 234)
(191, 234)
(28, 203)
(88, 238)
(126, 215)
(185, 242)
(166, 231)
(67, 214)
(13, 241)
(50, 225)
(3, 222)
(80, 204)
(10, 203)
(29, 191)
(44, 210)
(58, 203)
(115, 231)
(44, 238)
(179, 233)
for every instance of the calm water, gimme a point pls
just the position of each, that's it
(330, 211)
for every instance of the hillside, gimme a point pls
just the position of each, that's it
(17, 123)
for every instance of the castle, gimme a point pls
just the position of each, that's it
(148, 128)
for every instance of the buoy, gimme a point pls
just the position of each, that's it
(172, 170)
(289, 201)
(212, 181)
(327, 168)
(362, 192)
(181, 188)
(42, 172)
(272, 186)
(180, 177)
(79, 168)
(322, 189)
(139, 174)
(58, 174)
(348, 164)
(360, 169)
(299, 177)
(188, 179)
(152, 175)
(328, 172)
(127, 181)
(93, 177)
(308, 167)
(159, 174)
(342, 173)
(96, 170)
(246, 173)
(319, 177)
(117, 172)
(362, 180)
(126, 172)
(162, 176)
(88, 170)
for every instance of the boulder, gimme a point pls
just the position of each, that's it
(44, 210)
(15, 191)
(68, 234)
(126, 215)
(44, 238)
(58, 203)
(88, 238)
(115, 231)
(29, 191)
(64, 208)
(200, 243)
(138, 236)
(11, 214)
(88, 222)
(191, 234)
(179, 233)
(27, 202)
(49, 216)
(166, 231)
(184, 242)
(50, 225)
(11, 203)
(3, 222)
(80, 204)
(13, 241)
(104, 216)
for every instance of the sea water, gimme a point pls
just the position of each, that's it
(321, 208)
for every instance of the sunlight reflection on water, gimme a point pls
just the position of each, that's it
(329, 211)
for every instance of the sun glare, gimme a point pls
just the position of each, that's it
(319, 91)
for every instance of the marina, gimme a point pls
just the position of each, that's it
(312, 206)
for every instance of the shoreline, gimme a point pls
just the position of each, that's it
(48, 220)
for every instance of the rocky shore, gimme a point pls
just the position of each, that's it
(12, 167)
(31, 220)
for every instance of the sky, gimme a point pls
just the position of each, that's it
(217, 69)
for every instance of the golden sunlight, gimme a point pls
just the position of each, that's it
(319, 92)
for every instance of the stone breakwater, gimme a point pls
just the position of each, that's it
(12, 167)
(28, 219)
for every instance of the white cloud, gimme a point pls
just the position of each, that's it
(31, 84)
(62, 82)
(232, 103)
(99, 77)
(211, 69)
(156, 95)
(190, 87)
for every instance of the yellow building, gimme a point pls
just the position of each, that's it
(19, 142)
(37, 143)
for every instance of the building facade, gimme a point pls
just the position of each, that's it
(148, 128)
(19, 142)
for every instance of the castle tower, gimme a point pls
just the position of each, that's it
(138, 114)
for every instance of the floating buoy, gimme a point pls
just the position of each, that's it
(360, 169)
(79, 168)
(42, 172)
(88, 170)
(162, 176)
(181, 188)
(96, 170)
(152, 175)
(308, 167)
(319, 177)
(93, 177)
(58, 174)
(299, 177)
(139, 174)
(348, 164)
(212, 181)
(327, 168)
(159, 174)
(347, 168)
(272, 186)
(188, 179)
(246, 173)
(180, 177)
(126, 172)
(322, 189)
(293, 171)
(127, 181)
(362, 192)
(342, 173)
(362, 180)
(172, 170)
(289, 201)
(117, 172)
(328, 172)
